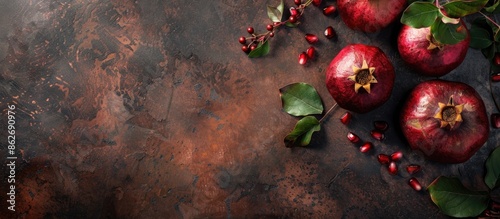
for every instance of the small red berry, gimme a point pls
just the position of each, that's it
(413, 182)
(381, 125)
(316, 2)
(377, 135)
(269, 27)
(328, 10)
(367, 146)
(346, 118)
(412, 168)
(496, 60)
(495, 77)
(250, 30)
(252, 47)
(302, 58)
(310, 52)
(329, 32)
(297, 2)
(495, 120)
(242, 40)
(271, 34)
(352, 137)
(245, 49)
(311, 38)
(396, 156)
(293, 19)
(383, 158)
(392, 168)
(293, 11)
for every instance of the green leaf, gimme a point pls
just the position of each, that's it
(261, 50)
(479, 37)
(489, 52)
(457, 9)
(420, 14)
(301, 99)
(455, 200)
(302, 133)
(492, 8)
(448, 33)
(275, 13)
(292, 25)
(492, 177)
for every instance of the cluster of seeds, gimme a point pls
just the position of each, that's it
(389, 160)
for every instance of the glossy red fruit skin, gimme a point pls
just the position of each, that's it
(381, 125)
(310, 52)
(412, 168)
(342, 89)
(316, 2)
(392, 168)
(329, 32)
(383, 159)
(352, 137)
(396, 156)
(297, 2)
(302, 58)
(311, 38)
(368, 15)
(415, 184)
(346, 118)
(328, 10)
(412, 46)
(367, 146)
(377, 135)
(495, 120)
(495, 77)
(496, 60)
(423, 132)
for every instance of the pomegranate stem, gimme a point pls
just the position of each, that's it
(328, 112)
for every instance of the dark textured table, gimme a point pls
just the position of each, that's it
(149, 109)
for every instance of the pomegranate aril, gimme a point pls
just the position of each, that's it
(352, 137)
(366, 147)
(392, 168)
(378, 135)
(396, 156)
(250, 30)
(302, 58)
(383, 158)
(381, 125)
(496, 77)
(311, 38)
(316, 2)
(328, 10)
(346, 118)
(413, 182)
(293, 11)
(496, 60)
(412, 168)
(495, 120)
(329, 32)
(297, 2)
(242, 40)
(310, 52)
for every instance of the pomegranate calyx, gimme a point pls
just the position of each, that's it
(362, 77)
(433, 43)
(449, 114)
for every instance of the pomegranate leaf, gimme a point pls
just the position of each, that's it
(489, 52)
(492, 177)
(448, 33)
(453, 199)
(420, 14)
(480, 37)
(261, 50)
(492, 8)
(457, 9)
(301, 99)
(275, 13)
(302, 133)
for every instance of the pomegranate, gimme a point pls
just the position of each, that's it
(445, 120)
(369, 15)
(360, 78)
(420, 51)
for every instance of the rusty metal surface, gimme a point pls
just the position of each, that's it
(149, 109)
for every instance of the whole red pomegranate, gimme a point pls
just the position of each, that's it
(369, 15)
(360, 78)
(424, 54)
(445, 120)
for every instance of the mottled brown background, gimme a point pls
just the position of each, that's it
(149, 109)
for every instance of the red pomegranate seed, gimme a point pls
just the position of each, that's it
(352, 137)
(311, 38)
(310, 52)
(316, 2)
(396, 156)
(381, 125)
(392, 168)
(412, 168)
(495, 120)
(367, 146)
(293, 11)
(328, 10)
(378, 135)
(413, 182)
(496, 77)
(329, 32)
(383, 158)
(497, 59)
(297, 2)
(302, 58)
(346, 118)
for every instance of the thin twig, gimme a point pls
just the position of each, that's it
(328, 112)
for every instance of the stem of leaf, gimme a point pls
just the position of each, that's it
(491, 20)
(328, 112)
